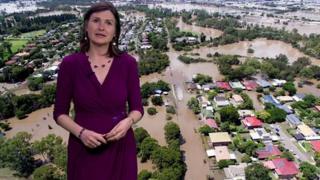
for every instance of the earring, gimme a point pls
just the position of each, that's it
(114, 43)
(85, 38)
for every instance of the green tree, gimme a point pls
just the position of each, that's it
(46, 172)
(257, 170)
(46, 146)
(225, 163)
(152, 111)
(288, 155)
(157, 100)
(309, 171)
(144, 175)
(194, 105)
(290, 87)
(172, 131)
(16, 153)
(229, 113)
(147, 146)
(205, 130)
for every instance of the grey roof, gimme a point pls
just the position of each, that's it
(263, 83)
(293, 119)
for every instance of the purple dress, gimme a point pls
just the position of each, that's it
(99, 107)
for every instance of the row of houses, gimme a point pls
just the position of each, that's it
(243, 85)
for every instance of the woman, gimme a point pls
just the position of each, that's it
(100, 80)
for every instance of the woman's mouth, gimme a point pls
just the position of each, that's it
(100, 35)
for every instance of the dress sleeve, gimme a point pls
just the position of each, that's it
(134, 92)
(64, 90)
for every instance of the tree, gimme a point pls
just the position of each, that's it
(317, 159)
(157, 100)
(290, 87)
(194, 105)
(225, 163)
(288, 155)
(164, 157)
(172, 131)
(170, 109)
(205, 130)
(147, 146)
(309, 171)
(306, 73)
(46, 146)
(277, 115)
(202, 79)
(263, 115)
(48, 94)
(144, 175)
(152, 111)
(140, 134)
(47, 172)
(16, 153)
(229, 113)
(35, 84)
(257, 170)
(246, 159)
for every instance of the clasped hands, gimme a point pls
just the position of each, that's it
(92, 139)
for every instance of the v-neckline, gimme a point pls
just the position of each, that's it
(94, 74)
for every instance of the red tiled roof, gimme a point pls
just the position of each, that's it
(316, 145)
(285, 167)
(250, 85)
(269, 150)
(252, 122)
(223, 85)
(212, 123)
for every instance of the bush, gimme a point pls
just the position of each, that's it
(205, 130)
(318, 86)
(145, 102)
(157, 100)
(259, 89)
(168, 117)
(170, 109)
(152, 111)
(225, 163)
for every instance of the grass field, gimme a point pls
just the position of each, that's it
(32, 34)
(17, 44)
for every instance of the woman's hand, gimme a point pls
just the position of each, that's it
(120, 130)
(92, 139)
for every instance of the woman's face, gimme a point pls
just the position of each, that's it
(101, 27)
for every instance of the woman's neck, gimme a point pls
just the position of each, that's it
(98, 51)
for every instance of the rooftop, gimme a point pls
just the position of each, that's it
(219, 137)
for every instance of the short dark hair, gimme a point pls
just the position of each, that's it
(98, 7)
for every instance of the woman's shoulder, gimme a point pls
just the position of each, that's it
(127, 58)
(71, 58)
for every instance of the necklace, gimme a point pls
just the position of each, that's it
(102, 65)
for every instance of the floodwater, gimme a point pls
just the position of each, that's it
(18, 6)
(209, 32)
(262, 48)
(303, 27)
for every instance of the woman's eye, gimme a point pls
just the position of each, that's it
(109, 23)
(95, 20)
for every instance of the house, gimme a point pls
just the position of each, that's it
(211, 122)
(235, 172)
(269, 150)
(263, 83)
(250, 84)
(278, 82)
(236, 100)
(262, 134)
(298, 97)
(219, 138)
(270, 99)
(285, 99)
(316, 145)
(298, 137)
(286, 108)
(222, 153)
(307, 132)
(223, 85)
(284, 169)
(236, 85)
(252, 122)
(207, 113)
(221, 101)
(245, 113)
(293, 120)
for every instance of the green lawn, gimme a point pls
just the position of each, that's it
(17, 44)
(307, 146)
(32, 34)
